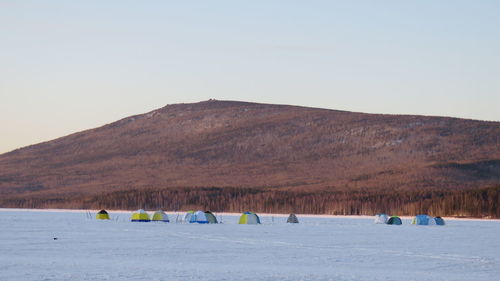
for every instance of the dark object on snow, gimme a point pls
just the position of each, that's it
(394, 220)
(210, 217)
(439, 221)
(55, 238)
(292, 219)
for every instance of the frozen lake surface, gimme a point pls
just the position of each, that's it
(317, 248)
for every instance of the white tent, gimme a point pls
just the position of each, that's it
(381, 218)
(187, 216)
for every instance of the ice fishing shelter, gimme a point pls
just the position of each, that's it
(102, 215)
(381, 218)
(423, 220)
(395, 220)
(292, 218)
(439, 221)
(211, 217)
(202, 217)
(160, 216)
(249, 218)
(198, 217)
(140, 215)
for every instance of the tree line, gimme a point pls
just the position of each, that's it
(460, 203)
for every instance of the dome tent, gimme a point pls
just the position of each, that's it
(198, 217)
(202, 217)
(423, 220)
(249, 218)
(160, 216)
(140, 216)
(292, 218)
(102, 215)
(394, 220)
(211, 217)
(439, 221)
(381, 218)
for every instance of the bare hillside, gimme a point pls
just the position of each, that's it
(227, 144)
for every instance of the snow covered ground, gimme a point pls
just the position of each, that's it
(318, 248)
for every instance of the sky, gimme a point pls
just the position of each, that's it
(67, 66)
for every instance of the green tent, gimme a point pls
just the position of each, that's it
(210, 217)
(395, 220)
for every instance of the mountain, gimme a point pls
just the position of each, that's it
(249, 148)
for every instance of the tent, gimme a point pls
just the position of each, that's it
(102, 215)
(395, 220)
(211, 217)
(140, 215)
(198, 217)
(292, 219)
(439, 221)
(203, 217)
(160, 216)
(187, 216)
(423, 220)
(381, 218)
(249, 218)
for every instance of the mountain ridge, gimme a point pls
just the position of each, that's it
(248, 103)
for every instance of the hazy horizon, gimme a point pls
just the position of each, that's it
(71, 66)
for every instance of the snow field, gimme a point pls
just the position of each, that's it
(317, 248)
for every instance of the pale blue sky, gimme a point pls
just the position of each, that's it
(66, 66)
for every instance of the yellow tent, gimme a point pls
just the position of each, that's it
(160, 216)
(102, 215)
(140, 215)
(249, 218)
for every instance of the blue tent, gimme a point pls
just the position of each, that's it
(199, 217)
